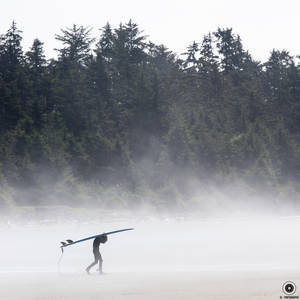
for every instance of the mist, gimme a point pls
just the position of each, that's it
(194, 240)
(198, 152)
(162, 257)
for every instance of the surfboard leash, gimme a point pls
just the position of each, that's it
(60, 259)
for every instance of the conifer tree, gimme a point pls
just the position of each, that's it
(77, 43)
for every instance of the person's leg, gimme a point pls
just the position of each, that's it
(100, 264)
(92, 264)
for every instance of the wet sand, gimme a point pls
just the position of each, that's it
(147, 285)
(204, 259)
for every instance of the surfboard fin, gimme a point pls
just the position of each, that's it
(63, 243)
(70, 241)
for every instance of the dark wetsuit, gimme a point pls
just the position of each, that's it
(96, 251)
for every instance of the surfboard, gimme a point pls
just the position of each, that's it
(70, 242)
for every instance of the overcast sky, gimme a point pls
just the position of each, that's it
(262, 24)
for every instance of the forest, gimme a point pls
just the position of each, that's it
(116, 120)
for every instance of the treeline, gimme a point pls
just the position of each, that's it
(120, 111)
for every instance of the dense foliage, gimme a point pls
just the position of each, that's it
(119, 111)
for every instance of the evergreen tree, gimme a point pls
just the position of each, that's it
(132, 113)
(230, 48)
(207, 60)
(35, 57)
(13, 86)
(191, 62)
(77, 44)
(105, 44)
(36, 64)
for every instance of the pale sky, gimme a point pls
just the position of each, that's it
(262, 24)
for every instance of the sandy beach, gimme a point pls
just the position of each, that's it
(163, 285)
(242, 258)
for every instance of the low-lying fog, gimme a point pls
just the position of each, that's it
(214, 244)
(213, 248)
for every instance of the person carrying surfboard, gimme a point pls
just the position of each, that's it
(98, 239)
(102, 239)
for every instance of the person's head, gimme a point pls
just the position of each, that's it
(103, 238)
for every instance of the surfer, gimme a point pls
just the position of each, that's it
(102, 239)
